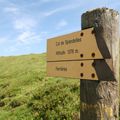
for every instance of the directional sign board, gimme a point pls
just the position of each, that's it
(74, 55)
(74, 46)
(72, 69)
(88, 70)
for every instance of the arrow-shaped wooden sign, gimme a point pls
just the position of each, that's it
(88, 69)
(79, 45)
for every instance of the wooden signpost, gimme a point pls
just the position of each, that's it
(93, 56)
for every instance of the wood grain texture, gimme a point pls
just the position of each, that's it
(100, 99)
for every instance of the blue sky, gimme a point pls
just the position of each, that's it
(25, 25)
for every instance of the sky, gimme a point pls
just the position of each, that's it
(25, 25)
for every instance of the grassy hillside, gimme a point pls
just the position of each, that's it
(27, 94)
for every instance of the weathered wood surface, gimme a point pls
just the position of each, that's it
(100, 99)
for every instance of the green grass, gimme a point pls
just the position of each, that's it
(26, 93)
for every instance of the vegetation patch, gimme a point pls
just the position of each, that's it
(2, 103)
(56, 101)
(26, 93)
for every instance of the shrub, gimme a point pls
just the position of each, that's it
(2, 104)
(56, 102)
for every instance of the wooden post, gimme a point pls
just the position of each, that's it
(100, 99)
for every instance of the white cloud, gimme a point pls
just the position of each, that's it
(61, 24)
(24, 23)
(23, 37)
(3, 40)
(11, 9)
(21, 20)
(61, 9)
(27, 37)
(46, 1)
(12, 48)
